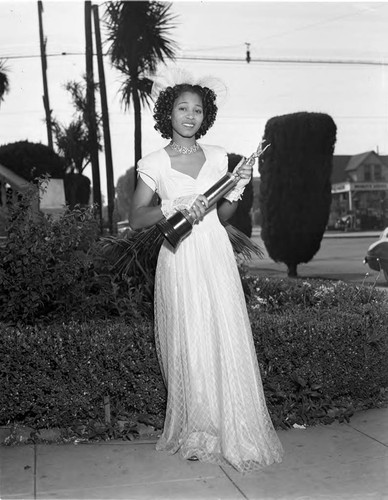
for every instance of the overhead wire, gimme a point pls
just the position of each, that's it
(281, 60)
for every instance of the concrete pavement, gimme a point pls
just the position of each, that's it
(336, 462)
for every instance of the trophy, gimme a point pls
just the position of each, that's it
(179, 225)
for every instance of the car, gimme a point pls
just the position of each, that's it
(345, 223)
(377, 254)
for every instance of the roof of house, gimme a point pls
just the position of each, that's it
(345, 163)
(356, 160)
(13, 179)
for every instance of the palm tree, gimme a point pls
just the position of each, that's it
(73, 145)
(138, 37)
(73, 140)
(4, 82)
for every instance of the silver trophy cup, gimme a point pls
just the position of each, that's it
(179, 225)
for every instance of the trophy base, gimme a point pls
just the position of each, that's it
(175, 228)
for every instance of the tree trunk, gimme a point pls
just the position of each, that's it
(292, 270)
(43, 59)
(137, 113)
(105, 122)
(91, 111)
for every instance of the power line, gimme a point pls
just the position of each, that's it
(287, 60)
(281, 60)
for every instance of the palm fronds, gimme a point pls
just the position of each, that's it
(133, 252)
(242, 245)
(136, 253)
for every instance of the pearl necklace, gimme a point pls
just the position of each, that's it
(183, 150)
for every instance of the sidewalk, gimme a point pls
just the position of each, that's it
(333, 462)
(336, 234)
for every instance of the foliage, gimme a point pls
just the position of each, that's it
(44, 261)
(135, 254)
(73, 140)
(295, 189)
(138, 42)
(31, 160)
(4, 216)
(76, 328)
(53, 268)
(58, 374)
(322, 349)
(77, 190)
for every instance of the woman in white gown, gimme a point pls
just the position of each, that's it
(216, 409)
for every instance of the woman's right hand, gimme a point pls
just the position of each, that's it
(195, 204)
(199, 207)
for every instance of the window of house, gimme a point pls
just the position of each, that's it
(378, 173)
(367, 173)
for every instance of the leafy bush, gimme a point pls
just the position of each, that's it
(59, 374)
(322, 349)
(44, 260)
(3, 221)
(280, 294)
(52, 268)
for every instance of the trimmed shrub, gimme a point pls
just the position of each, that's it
(31, 160)
(59, 374)
(295, 189)
(322, 349)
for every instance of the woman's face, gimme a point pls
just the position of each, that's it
(187, 115)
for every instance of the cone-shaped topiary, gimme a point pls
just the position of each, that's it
(295, 188)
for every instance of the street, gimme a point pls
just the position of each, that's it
(340, 257)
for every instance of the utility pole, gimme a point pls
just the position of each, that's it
(43, 59)
(105, 121)
(248, 53)
(91, 111)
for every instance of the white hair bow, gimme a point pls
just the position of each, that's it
(176, 75)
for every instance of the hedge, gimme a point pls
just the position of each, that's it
(322, 349)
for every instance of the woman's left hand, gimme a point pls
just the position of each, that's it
(245, 170)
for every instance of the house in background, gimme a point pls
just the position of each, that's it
(360, 191)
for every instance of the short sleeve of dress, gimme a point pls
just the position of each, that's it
(146, 170)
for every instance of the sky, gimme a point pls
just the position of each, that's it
(329, 57)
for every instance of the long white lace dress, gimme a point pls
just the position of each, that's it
(216, 409)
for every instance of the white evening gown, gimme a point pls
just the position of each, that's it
(216, 408)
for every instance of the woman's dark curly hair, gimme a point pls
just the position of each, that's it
(165, 103)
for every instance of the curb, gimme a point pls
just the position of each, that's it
(339, 234)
